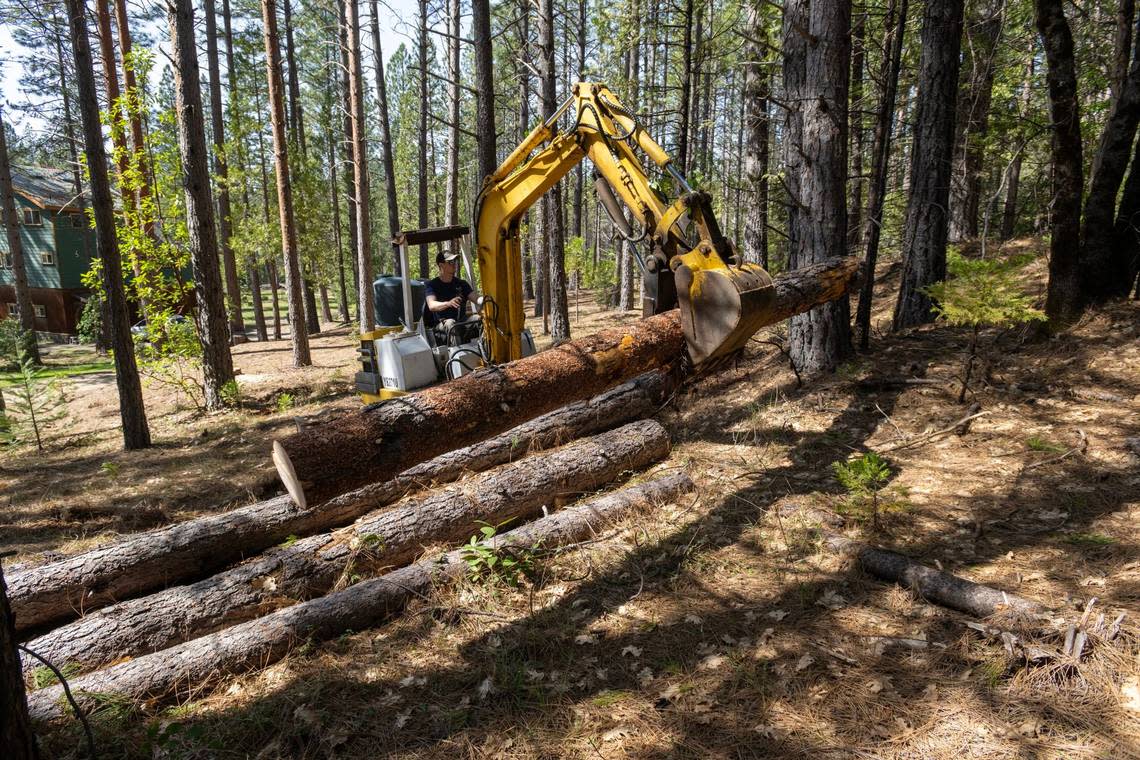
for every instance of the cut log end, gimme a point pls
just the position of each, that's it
(288, 475)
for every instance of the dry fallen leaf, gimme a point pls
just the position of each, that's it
(693, 619)
(1131, 691)
(930, 693)
(768, 732)
(632, 651)
(831, 600)
(403, 718)
(878, 684)
(486, 687)
(617, 733)
(586, 638)
(777, 615)
(804, 662)
(671, 693)
(712, 662)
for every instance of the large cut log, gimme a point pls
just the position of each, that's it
(387, 438)
(138, 564)
(258, 643)
(391, 537)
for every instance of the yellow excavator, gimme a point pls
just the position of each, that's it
(688, 262)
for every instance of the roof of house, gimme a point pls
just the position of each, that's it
(44, 186)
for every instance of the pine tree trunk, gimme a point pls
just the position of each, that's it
(422, 135)
(136, 434)
(485, 88)
(555, 231)
(579, 173)
(346, 144)
(221, 171)
(253, 267)
(880, 164)
(334, 200)
(16, 734)
(682, 151)
(1063, 299)
(210, 314)
(820, 339)
(855, 206)
(972, 122)
(360, 170)
(296, 113)
(1102, 273)
(12, 224)
(1013, 179)
(385, 130)
(927, 222)
(300, 339)
(756, 135)
(528, 249)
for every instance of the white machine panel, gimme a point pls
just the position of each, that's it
(405, 361)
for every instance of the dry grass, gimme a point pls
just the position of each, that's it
(714, 628)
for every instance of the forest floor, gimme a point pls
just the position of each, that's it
(717, 627)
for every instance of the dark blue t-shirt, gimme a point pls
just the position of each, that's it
(445, 291)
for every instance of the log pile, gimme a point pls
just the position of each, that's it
(369, 521)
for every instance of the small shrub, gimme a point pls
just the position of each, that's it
(485, 560)
(33, 401)
(110, 469)
(284, 402)
(979, 292)
(864, 477)
(1040, 444)
(231, 394)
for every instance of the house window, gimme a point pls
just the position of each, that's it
(12, 310)
(6, 260)
(40, 310)
(47, 258)
(77, 220)
(32, 218)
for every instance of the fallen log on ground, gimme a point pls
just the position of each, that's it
(931, 584)
(389, 437)
(261, 642)
(63, 590)
(313, 566)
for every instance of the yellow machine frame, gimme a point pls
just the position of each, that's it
(606, 132)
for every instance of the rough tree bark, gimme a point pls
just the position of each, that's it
(136, 434)
(1063, 299)
(386, 538)
(559, 307)
(485, 88)
(1013, 177)
(221, 169)
(975, 93)
(300, 337)
(820, 339)
(924, 246)
(16, 735)
(360, 170)
(880, 157)
(422, 135)
(682, 151)
(1101, 278)
(857, 133)
(210, 312)
(389, 438)
(139, 564)
(12, 222)
(261, 642)
(386, 159)
(451, 201)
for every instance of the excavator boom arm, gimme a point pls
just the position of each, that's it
(606, 132)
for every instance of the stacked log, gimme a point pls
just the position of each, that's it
(261, 642)
(63, 590)
(392, 537)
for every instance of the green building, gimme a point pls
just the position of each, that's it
(58, 248)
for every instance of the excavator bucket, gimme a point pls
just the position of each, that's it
(721, 306)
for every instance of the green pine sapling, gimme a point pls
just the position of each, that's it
(864, 477)
(980, 292)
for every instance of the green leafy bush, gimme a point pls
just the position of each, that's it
(485, 560)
